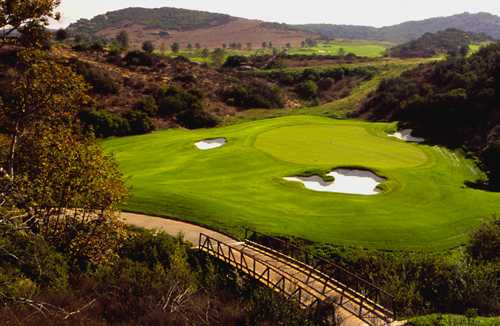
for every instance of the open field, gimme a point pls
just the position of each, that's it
(360, 48)
(371, 49)
(424, 206)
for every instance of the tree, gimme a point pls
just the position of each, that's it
(175, 47)
(288, 46)
(61, 35)
(27, 16)
(190, 46)
(123, 40)
(148, 47)
(67, 189)
(218, 56)
(264, 45)
(197, 46)
(341, 52)
(205, 53)
(224, 45)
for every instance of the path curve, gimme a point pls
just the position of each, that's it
(191, 232)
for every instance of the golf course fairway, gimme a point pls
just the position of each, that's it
(424, 203)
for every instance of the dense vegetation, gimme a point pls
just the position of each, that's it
(476, 23)
(461, 281)
(454, 103)
(450, 41)
(160, 18)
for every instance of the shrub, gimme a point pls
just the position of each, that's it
(195, 118)
(256, 94)
(139, 122)
(326, 83)
(139, 58)
(147, 105)
(104, 123)
(173, 100)
(235, 61)
(307, 90)
(484, 244)
(101, 82)
(148, 47)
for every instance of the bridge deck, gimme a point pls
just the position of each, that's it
(296, 280)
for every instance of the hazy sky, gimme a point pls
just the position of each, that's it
(359, 12)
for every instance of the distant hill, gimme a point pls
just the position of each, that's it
(164, 26)
(432, 44)
(476, 23)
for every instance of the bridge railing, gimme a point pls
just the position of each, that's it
(378, 299)
(259, 270)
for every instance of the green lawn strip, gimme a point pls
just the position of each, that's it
(425, 205)
(451, 320)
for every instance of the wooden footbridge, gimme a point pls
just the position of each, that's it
(309, 281)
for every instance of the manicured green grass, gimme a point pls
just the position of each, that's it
(370, 49)
(453, 320)
(360, 48)
(425, 205)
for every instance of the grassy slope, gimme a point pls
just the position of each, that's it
(337, 109)
(447, 320)
(425, 207)
(370, 49)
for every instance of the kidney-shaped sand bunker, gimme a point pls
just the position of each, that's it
(210, 143)
(347, 181)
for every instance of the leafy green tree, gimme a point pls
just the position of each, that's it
(218, 56)
(341, 52)
(148, 47)
(175, 47)
(190, 46)
(123, 40)
(68, 189)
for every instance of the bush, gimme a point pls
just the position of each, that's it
(101, 82)
(173, 100)
(148, 47)
(307, 90)
(195, 118)
(104, 123)
(148, 106)
(326, 83)
(139, 122)
(235, 61)
(139, 58)
(485, 241)
(256, 94)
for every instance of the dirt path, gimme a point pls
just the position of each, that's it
(190, 231)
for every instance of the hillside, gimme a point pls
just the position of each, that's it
(165, 26)
(442, 42)
(477, 23)
(454, 103)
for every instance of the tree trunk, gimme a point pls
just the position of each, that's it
(12, 153)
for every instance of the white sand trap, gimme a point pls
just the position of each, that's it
(356, 182)
(210, 143)
(406, 136)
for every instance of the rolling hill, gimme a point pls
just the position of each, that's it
(164, 26)
(443, 42)
(477, 23)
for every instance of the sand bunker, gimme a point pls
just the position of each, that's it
(406, 136)
(356, 182)
(210, 143)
